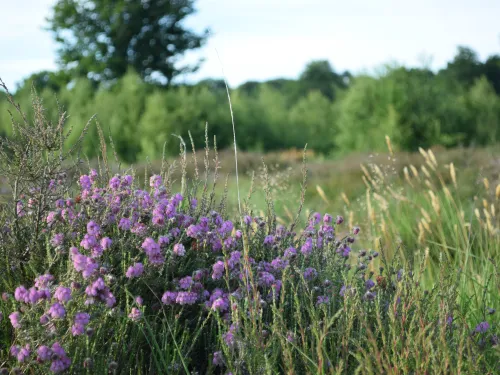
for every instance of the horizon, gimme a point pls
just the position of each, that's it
(260, 40)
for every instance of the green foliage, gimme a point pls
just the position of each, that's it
(101, 40)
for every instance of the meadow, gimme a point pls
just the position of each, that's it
(367, 264)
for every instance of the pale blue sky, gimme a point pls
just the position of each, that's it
(262, 39)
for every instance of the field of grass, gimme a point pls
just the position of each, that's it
(371, 264)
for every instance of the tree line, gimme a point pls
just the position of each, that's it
(119, 60)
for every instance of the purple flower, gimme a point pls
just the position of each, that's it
(135, 314)
(155, 181)
(316, 217)
(218, 270)
(124, 223)
(369, 284)
(88, 242)
(82, 318)
(179, 249)
(23, 353)
(106, 243)
(220, 304)
(186, 298)
(310, 273)
(60, 362)
(339, 220)
(266, 278)
(355, 230)
(269, 240)
(85, 182)
(44, 353)
(57, 311)
(93, 228)
(482, 327)
(114, 183)
(234, 259)
(186, 282)
(43, 281)
(322, 300)
(307, 247)
(44, 319)
(169, 298)
(327, 219)
(14, 319)
(290, 253)
(62, 294)
(57, 239)
(247, 220)
(218, 359)
(21, 294)
(135, 271)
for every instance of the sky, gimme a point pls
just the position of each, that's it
(265, 39)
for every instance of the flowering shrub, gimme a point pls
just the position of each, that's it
(121, 269)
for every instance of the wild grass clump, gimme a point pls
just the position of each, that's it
(117, 277)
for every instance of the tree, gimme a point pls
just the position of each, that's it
(319, 75)
(102, 39)
(465, 67)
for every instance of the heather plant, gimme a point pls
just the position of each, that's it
(132, 277)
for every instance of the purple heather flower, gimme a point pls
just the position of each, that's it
(62, 294)
(234, 259)
(266, 278)
(218, 359)
(307, 247)
(124, 223)
(163, 240)
(316, 217)
(127, 180)
(269, 240)
(322, 300)
(114, 183)
(327, 219)
(43, 281)
(220, 304)
(155, 181)
(85, 182)
(21, 294)
(218, 270)
(339, 220)
(169, 298)
(60, 362)
(135, 314)
(88, 242)
(51, 216)
(106, 243)
(23, 353)
(186, 298)
(57, 311)
(355, 230)
(186, 282)
(290, 253)
(44, 319)
(482, 327)
(369, 296)
(135, 271)
(247, 219)
(179, 249)
(369, 284)
(14, 319)
(44, 353)
(57, 239)
(93, 228)
(310, 273)
(138, 300)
